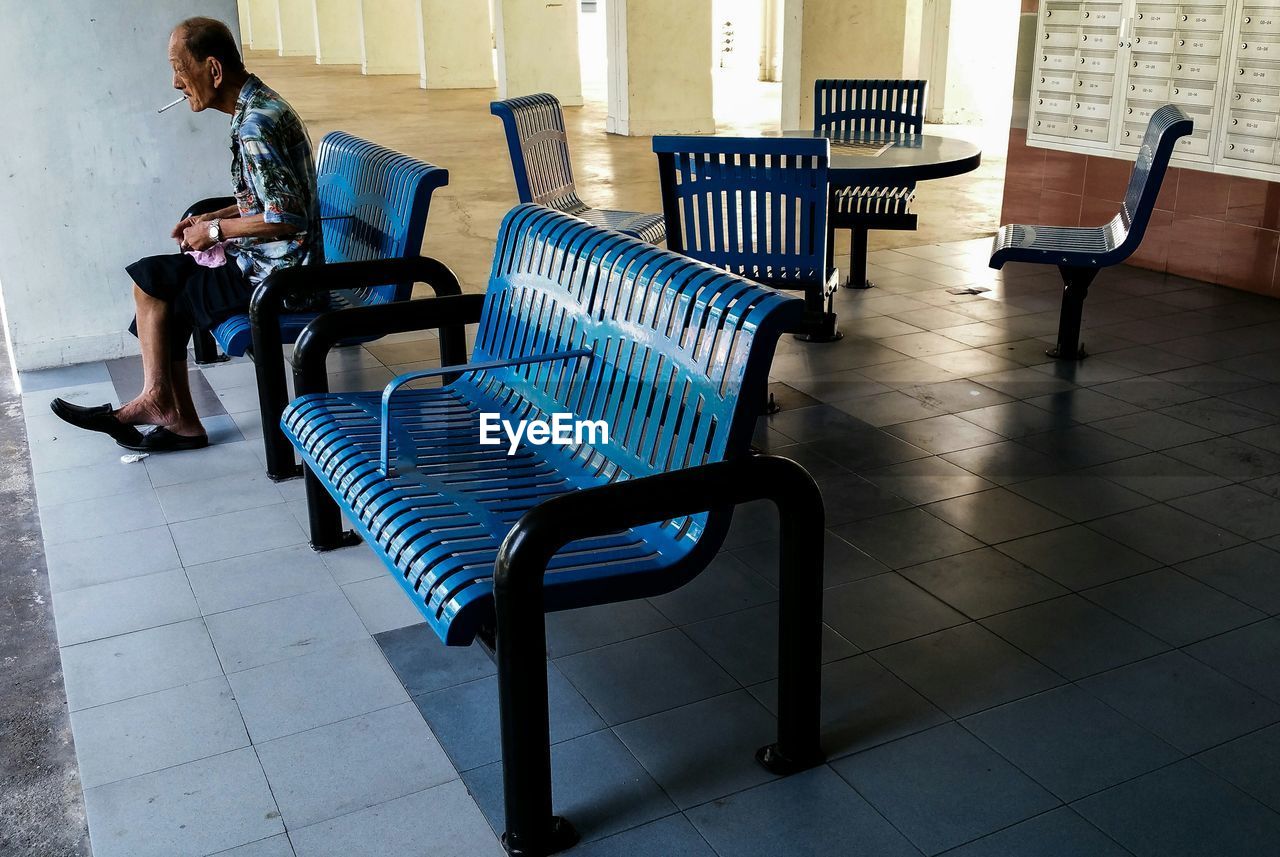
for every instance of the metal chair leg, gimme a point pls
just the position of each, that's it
(206, 349)
(1075, 289)
(325, 518)
(858, 260)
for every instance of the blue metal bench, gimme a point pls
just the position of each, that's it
(373, 206)
(854, 107)
(672, 355)
(1081, 251)
(755, 206)
(544, 174)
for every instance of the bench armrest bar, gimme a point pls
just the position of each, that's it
(269, 295)
(401, 380)
(447, 314)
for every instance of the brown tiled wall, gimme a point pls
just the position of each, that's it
(1216, 228)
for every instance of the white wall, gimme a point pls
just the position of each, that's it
(538, 49)
(96, 178)
(339, 32)
(392, 36)
(296, 23)
(264, 25)
(457, 45)
(970, 47)
(659, 67)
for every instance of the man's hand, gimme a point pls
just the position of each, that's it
(186, 223)
(196, 237)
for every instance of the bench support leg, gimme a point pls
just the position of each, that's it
(858, 259)
(206, 349)
(273, 395)
(1076, 283)
(325, 518)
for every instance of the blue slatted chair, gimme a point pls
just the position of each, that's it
(1079, 251)
(671, 354)
(757, 207)
(373, 206)
(544, 174)
(852, 107)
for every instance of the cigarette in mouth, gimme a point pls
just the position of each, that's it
(173, 103)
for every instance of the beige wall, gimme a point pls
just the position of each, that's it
(974, 52)
(242, 15)
(659, 67)
(844, 38)
(264, 27)
(538, 49)
(339, 32)
(391, 34)
(457, 45)
(297, 23)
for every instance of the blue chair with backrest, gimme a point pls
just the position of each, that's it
(671, 356)
(756, 206)
(848, 108)
(1081, 251)
(544, 174)
(373, 207)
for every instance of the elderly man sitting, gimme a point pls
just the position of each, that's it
(224, 255)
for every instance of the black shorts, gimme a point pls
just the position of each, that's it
(200, 298)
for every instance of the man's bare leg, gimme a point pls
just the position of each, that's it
(156, 404)
(188, 422)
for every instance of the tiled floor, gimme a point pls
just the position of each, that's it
(1052, 598)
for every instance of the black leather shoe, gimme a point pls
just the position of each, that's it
(100, 418)
(160, 439)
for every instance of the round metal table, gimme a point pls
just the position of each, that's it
(894, 159)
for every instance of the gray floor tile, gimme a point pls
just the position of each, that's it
(1073, 637)
(133, 664)
(1158, 476)
(966, 669)
(982, 582)
(1154, 430)
(956, 790)
(1069, 742)
(71, 449)
(1079, 497)
(996, 515)
(814, 423)
(286, 628)
(347, 565)
(672, 836)
(423, 663)
(725, 586)
(1147, 392)
(208, 497)
(109, 558)
(1172, 606)
(925, 480)
(39, 380)
(635, 678)
(1165, 534)
(242, 581)
(272, 846)
(159, 730)
(863, 705)
(885, 609)
(906, 538)
(332, 683)
(813, 812)
(958, 395)
(444, 816)
(1183, 701)
(705, 750)
(90, 482)
(202, 465)
(88, 519)
(945, 433)
(1054, 834)
(888, 408)
(123, 606)
(745, 644)
(597, 784)
(353, 764)
(1220, 416)
(1083, 405)
(841, 561)
(1251, 763)
(867, 449)
(197, 808)
(1182, 811)
(1015, 419)
(1005, 462)
(236, 534)
(570, 631)
(381, 604)
(1248, 573)
(1230, 458)
(465, 717)
(1081, 446)
(848, 497)
(1249, 655)
(1237, 508)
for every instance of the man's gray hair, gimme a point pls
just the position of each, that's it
(209, 37)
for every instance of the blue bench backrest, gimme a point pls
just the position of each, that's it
(539, 150)
(756, 206)
(1163, 130)
(874, 106)
(373, 203)
(672, 369)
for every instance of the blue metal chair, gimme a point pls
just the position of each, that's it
(671, 355)
(544, 174)
(849, 108)
(373, 206)
(1081, 251)
(756, 206)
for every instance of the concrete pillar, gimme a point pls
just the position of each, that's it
(659, 67)
(457, 45)
(538, 49)
(968, 53)
(264, 26)
(845, 39)
(392, 31)
(771, 40)
(339, 32)
(297, 25)
(242, 15)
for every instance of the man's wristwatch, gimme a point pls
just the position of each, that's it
(215, 230)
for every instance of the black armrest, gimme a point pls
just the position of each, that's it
(449, 314)
(269, 295)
